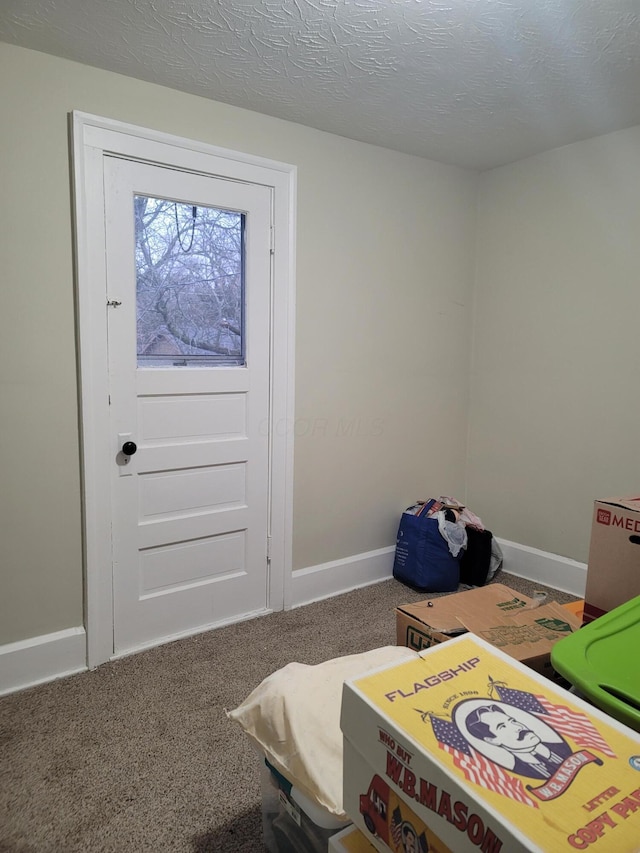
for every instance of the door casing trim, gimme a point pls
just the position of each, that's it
(91, 138)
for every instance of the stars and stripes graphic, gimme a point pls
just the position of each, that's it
(396, 827)
(572, 724)
(476, 767)
(399, 827)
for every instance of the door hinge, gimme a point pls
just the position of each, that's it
(268, 549)
(272, 246)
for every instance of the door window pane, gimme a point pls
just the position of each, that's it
(189, 284)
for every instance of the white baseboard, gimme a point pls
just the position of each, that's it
(328, 579)
(45, 658)
(542, 567)
(40, 659)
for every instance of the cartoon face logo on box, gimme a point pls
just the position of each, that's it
(409, 837)
(512, 738)
(510, 734)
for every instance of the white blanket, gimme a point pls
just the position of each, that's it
(293, 716)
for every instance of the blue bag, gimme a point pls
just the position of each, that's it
(423, 560)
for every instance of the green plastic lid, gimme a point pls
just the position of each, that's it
(601, 661)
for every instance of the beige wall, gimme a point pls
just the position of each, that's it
(555, 402)
(385, 267)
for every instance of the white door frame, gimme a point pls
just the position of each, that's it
(92, 137)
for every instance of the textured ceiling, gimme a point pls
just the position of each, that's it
(477, 83)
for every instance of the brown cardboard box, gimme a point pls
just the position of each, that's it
(410, 737)
(505, 618)
(613, 575)
(432, 621)
(529, 635)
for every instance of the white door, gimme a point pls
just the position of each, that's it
(188, 261)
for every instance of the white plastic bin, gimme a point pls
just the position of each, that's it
(291, 822)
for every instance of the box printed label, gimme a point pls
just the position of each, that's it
(390, 818)
(418, 639)
(514, 603)
(517, 744)
(624, 522)
(516, 635)
(514, 733)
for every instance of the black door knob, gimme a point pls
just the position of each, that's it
(129, 448)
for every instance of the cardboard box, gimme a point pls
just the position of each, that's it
(613, 574)
(490, 755)
(385, 817)
(351, 840)
(425, 623)
(505, 618)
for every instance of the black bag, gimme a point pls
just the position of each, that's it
(476, 559)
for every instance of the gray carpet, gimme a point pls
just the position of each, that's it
(138, 755)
